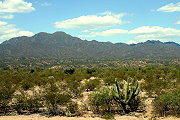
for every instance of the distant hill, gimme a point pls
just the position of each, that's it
(62, 45)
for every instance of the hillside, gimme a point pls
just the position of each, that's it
(62, 45)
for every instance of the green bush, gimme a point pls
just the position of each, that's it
(92, 84)
(72, 109)
(73, 84)
(101, 101)
(109, 80)
(69, 71)
(168, 104)
(27, 104)
(54, 99)
(108, 116)
(26, 84)
(90, 71)
(6, 94)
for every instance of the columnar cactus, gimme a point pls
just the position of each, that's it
(124, 92)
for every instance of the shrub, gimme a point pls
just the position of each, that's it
(69, 71)
(6, 94)
(101, 101)
(26, 84)
(108, 116)
(32, 71)
(168, 104)
(90, 71)
(73, 84)
(54, 99)
(155, 86)
(27, 104)
(72, 109)
(92, 84)
(109, 80)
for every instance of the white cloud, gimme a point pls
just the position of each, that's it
(170, 8)
(15, 6)
(86, 36)
(92, 22)
(111, 32)
(155, 30)
(141, 34)
(6, 16)
(8, 31)
(85, 31)
(2, 23)
(178, 22)
(132, 42)
(155, 33)
(46, 4)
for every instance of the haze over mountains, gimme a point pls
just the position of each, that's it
(62, 45)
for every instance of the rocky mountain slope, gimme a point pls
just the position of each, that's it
(62, 45)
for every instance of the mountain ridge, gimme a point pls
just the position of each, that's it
(61, 32)
(62, 45)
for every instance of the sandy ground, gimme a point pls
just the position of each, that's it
(39, 117)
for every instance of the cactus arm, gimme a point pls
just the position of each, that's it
(126, 87)
(118, 89)
(130, 89)
(137, 91)
(130, 97)
(116, 96)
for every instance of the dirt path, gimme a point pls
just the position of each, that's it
(39, 117)
(149, 107)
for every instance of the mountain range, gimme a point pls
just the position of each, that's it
(62, 45)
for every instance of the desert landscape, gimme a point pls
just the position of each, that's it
(89, 60)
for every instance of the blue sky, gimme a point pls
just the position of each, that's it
(127, 21)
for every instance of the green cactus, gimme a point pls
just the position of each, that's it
(124, 92)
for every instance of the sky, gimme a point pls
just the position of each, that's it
(117, 21)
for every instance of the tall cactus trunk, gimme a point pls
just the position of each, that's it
(123, 105)
(124, 108)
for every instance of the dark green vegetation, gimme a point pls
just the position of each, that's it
(168, 103)
(112, 90)
(24, 62)
(62, 45)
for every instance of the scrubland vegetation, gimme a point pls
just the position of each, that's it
(109, 91)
